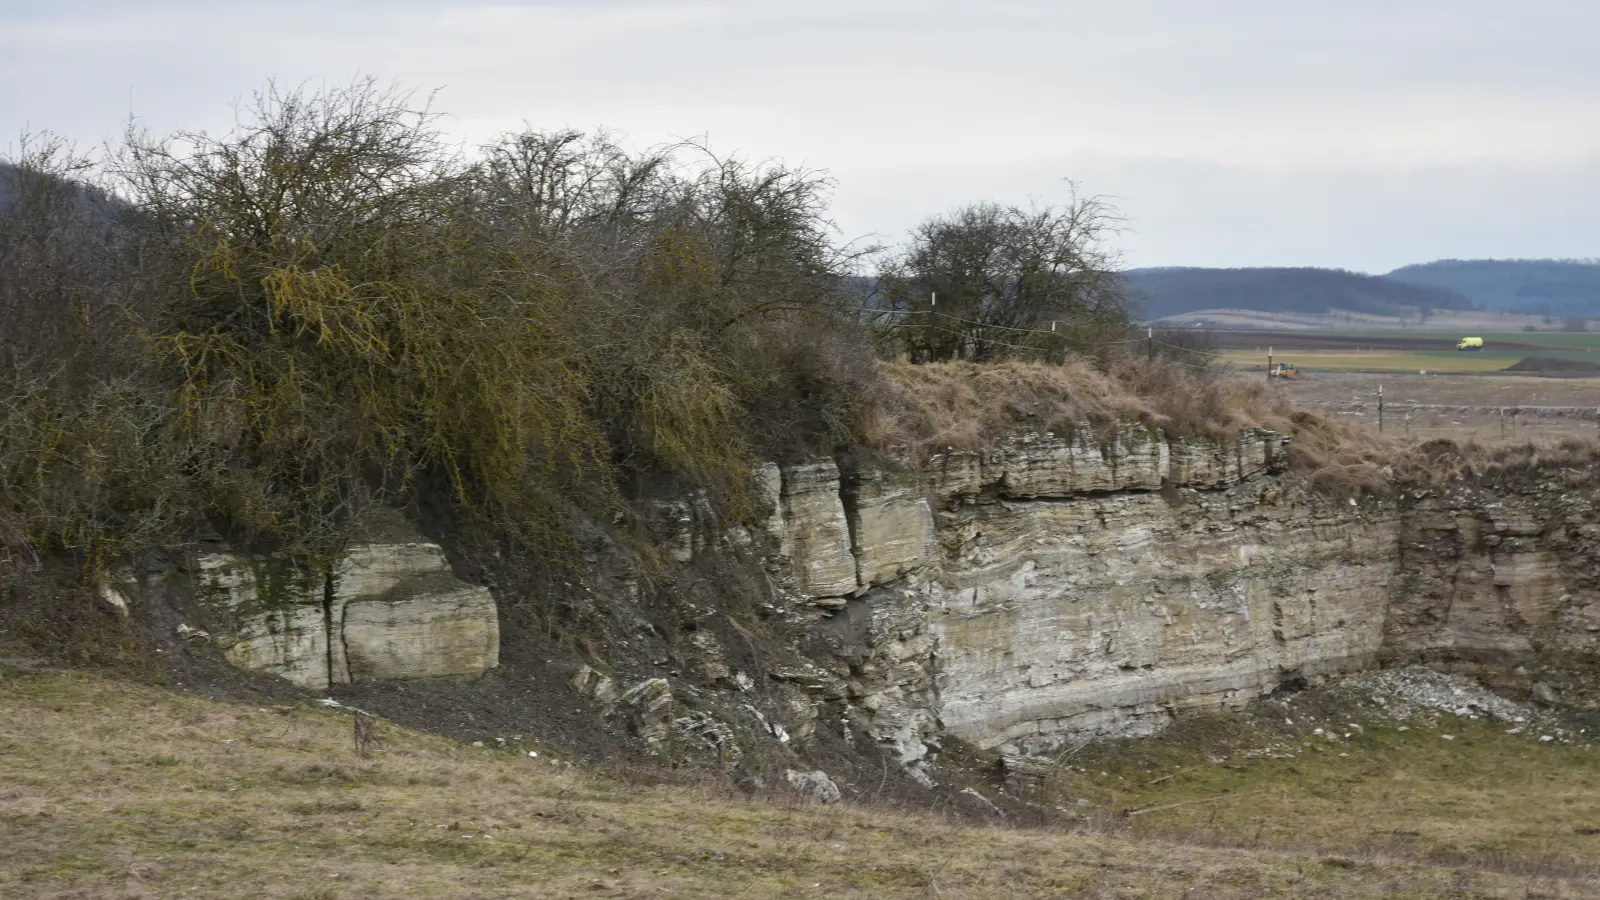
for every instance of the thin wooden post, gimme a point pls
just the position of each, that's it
(1380, 409)
(1269, 365)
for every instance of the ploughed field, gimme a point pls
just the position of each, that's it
(1378, 351)
(109, 789)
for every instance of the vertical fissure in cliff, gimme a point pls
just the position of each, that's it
(328, 625)
(850, 498)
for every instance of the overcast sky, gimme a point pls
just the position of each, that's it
(1363, 134)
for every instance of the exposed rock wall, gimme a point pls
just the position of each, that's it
(1497, 573)
(1058, 588)
(1050, 589)
(392, 610)
(1056, 618)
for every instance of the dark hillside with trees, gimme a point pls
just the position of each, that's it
(1545, 287)
(1175, 291)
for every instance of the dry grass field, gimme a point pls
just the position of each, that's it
(115, 790)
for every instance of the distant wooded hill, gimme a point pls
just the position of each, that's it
(1540, 286)
(1175, 291)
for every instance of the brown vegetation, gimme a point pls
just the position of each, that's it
(269, 332)
(969, 405)
(110, 789)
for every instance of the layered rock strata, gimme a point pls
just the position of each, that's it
(1058, 588)
(391, 610)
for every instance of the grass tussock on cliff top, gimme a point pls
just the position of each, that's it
(109, 789)
(970, 405)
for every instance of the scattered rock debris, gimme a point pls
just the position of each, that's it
(1415, 692)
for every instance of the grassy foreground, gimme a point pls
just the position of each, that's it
(116, 790)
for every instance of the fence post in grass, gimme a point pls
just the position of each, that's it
(1269, 365)
(1380, 409)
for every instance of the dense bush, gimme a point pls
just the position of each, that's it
(268, 332)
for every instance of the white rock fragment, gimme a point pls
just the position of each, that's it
(815, 786)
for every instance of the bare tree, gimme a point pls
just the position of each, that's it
(989, 280)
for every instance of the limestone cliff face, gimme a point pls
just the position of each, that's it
(392, 610)
(1056, 618)
(1054, 589)
(1041, 592)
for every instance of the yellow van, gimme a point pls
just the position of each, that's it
(1470, 344)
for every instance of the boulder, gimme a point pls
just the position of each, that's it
(815, 786)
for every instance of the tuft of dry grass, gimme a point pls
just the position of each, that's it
(111, 789)
(967, 405)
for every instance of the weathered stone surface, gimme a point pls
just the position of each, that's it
(814, 786)
(1127, 457)
(403, 614)
(1107, 615)
(1503, 574)
(271, 616)
(394, 611)
(891, 524)
(814, 534)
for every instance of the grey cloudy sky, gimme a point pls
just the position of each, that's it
(1358, 133)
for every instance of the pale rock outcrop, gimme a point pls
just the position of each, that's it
(1107, 615)
(393, 610)
(271, 616)
(1059, 591)
(401, 613)
(1126, 457)
(814, 786)
(814, 533)
(891, 523)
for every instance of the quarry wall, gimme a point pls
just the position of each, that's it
(1059, 588)
(1048, 590)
